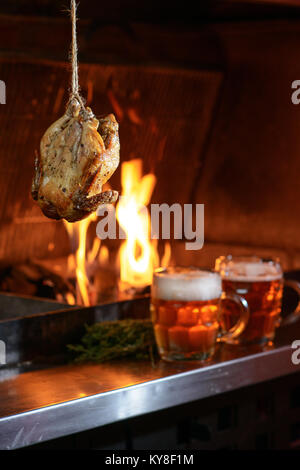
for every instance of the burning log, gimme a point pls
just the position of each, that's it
(36, 280)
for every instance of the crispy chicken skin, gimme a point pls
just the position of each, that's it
(78, 155)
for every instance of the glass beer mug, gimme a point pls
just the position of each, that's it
(185, 310)
(260, 282)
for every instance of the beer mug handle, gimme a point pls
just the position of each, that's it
(295, 315)
(242, 322)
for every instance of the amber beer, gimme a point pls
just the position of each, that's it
(261, 284)
(185, 306)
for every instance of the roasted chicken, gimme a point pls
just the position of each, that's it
(78, 155)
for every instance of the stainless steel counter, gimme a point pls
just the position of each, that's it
(49, 403)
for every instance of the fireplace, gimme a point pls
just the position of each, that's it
(203, 101)
(199, 107)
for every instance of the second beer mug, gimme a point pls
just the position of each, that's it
(260, 282)
(185, 308)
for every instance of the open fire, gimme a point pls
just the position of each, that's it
(81, 260)
(138, 255)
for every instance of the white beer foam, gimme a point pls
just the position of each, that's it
(186, 285)
(251, 271)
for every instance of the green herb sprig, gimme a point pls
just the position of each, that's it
(109, 340)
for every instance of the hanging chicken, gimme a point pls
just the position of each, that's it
(78, 155)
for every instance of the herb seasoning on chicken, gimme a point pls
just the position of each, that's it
(75, 162)
(78, 155)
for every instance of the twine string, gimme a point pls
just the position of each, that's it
(74, 61)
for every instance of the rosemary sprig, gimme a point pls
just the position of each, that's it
(116, 339)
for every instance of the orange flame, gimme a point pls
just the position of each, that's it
(138, 256)
(77, 233)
